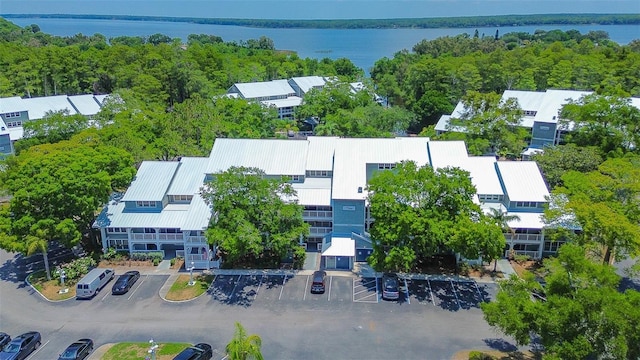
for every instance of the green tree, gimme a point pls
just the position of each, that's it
(54, 127)
(244, 346)
(487, 117)
(419, 212)
(502, 219)
(578, 314)
(251, 223)
(58, 188)
(555, 161)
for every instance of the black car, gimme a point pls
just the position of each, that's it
(4, 340)
(318, 282)
(79, 350)
(125, 282)
(390, 287)
(21, 346)
(200, 351)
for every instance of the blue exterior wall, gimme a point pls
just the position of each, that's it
(5, 144)
(348, 216)
(24, 116)
(543, 134)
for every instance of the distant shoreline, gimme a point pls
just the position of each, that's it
(402, 23)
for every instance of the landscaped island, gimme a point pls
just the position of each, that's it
(423, 23)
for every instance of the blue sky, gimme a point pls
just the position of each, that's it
(316, 9)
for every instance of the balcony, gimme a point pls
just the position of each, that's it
(532, 238)
(196, 240)
(317, 215)
(161, 237)
(315, 231)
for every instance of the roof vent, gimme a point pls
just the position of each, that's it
(554, 118)
(359, 189)
(3, 128)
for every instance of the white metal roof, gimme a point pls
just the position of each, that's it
(340, 246)
(321, 150)
(528, 100)
(39, 106)
(528, 220)
(314, 191)
(151, 181)
(274, 157)
(553, 102)
(483, 174)
(101, 98)
(352, 155)
(265, 89)
(444, 153)
(306, 83)
(12, 104)
(523, 181)
(189, 177)
(85, 104)
(291, 101)
(194, 216)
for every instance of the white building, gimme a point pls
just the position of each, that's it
(162, 210)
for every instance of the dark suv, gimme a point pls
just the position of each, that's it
(21, 346)
(200, 351)
(318, 282)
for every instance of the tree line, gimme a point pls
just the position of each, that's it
(421, 23)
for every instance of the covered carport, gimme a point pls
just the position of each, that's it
(339, 253)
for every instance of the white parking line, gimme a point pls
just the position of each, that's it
(234, 287)
(105, 295)
(137, 287)
(37, 350)
(377, 292)
(431, 292)
(306, 286)
(481, 298)
(282, 288)
(406, 290)
(365, 290)
(330, 280)
(456, 294)
(258, 289)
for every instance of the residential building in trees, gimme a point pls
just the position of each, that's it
(15, 111)
(163, 211)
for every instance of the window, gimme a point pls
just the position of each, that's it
(318, 173)
(181, 198)
(116, 230)
(295, 178)
(145, 203)
(14, 123)
(11, 115)
(386, 166)
(530, 113)
(149, 230)
(544, 128)
(170, 231)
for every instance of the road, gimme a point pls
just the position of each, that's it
(347, 322)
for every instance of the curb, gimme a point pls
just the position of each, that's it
(26, 280)
(164, 290)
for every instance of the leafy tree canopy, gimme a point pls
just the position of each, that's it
(254, 221)
(578, 314)
(420, 212)
(557, 160)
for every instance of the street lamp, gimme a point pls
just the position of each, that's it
(153, 347)
(63, 275)
(191, 282)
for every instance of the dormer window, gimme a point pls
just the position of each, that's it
(145, 204)
(184, 199)
(295, 178)
(386, 166)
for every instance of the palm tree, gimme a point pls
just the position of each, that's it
(35, 244)
(243, 346)
(501, 219)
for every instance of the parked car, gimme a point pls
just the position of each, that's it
(390, 287)
(4, 340)
(79, 350)
(93, 282)
(125, 282)
(200, 351)
(21, 346)
(318, 282)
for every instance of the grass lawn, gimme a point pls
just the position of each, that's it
(50, 288)
(138, 351)
(180, 290)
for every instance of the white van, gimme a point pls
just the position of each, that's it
(91, 283)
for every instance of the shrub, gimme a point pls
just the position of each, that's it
(521, 258)
(156, 261)
(463, 268)
(173, 261)
(147, 256)
(479, 355)
(110, 254)
(75, 269)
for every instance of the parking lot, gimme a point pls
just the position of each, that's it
(247, 290)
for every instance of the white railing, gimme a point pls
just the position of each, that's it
(180, 253)
(523, 237)
(197, 239)
(196, 257)
(319, 231)
(173, 237)
(139, 236)
(531, 254)
(317, 214)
